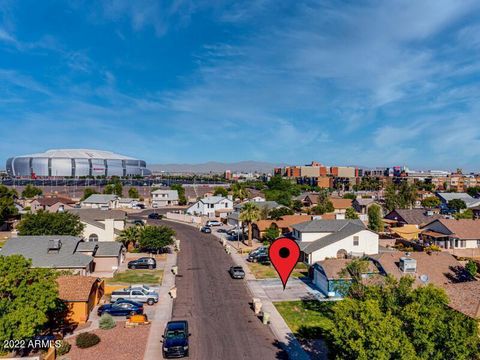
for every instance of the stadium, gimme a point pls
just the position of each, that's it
(75, 163)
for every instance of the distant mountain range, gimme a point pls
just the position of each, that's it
(216, 167)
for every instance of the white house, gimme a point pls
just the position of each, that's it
(162, 198)
(101, 201)
(212, 206)
(101, 225)
(126, 203)
(321, 239)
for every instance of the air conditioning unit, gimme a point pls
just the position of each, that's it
(408, 265)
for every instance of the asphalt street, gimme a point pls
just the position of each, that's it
(223, 325)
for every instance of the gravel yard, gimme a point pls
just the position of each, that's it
(118, 343)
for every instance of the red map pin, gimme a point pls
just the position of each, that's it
(284, 254)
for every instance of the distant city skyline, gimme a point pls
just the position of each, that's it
(346, 83)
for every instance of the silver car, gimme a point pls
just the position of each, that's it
(135, 294)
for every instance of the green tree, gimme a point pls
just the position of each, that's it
(155, 238)
(271, 234)
(471, 268)
(297, 205)
(114, 188)
(277, 213)
(349, 196)
(27, 297)
(130, 235)
(324, 204)
(402, 196)
(457, 205)
(220, 191)
(239, 191)
(31, 191)
(350, 213)
(7, 203)
(467, 214)
(45, 223)
(249, 213)
(431, 202)
(375, 222)
(87, 193)
(182, 199)
(133, 193)
(473, 191)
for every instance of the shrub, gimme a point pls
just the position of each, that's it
(86, 340)
(107, 322)
(64, 348)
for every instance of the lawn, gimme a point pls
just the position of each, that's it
(148, 277)
(307, 319)
(268, 271)
(2, 242)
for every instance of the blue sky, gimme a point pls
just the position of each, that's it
(342, 82)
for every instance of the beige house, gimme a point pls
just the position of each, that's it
(51, 204)
(101, 225)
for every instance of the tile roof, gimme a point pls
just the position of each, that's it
(465, 297)
(341, 203)
(463, 228)
(75, 287)
(49, 201)
(36, 249)
(412, 216)
(440, 267)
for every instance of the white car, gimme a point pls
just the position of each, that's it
(214, 223)
(145, 288)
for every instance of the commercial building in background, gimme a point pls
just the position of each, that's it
(75, 163)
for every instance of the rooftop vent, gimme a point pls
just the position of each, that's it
(54, 245)
(408, 265)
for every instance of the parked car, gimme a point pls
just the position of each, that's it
(155, 216)
(135, 294)
(121, 308)
(143, 287)
(237, 272)
(143, 263)
(139, 222)
(258, 251)
(175, 339)
(206, 229)
(261, 258)
(214, 223)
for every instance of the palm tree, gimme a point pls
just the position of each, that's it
(250, 213)
(239, 191)
(130, 235)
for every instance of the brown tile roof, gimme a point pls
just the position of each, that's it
(49, 201)
(263, 225)
(440, 267)
(465, 297)
(341, 203)
(287, 221)
(463, 228)
(75, 287)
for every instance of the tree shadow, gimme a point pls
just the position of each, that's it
(459, 274)
(294, 348)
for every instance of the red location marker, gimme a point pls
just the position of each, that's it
(284, 254)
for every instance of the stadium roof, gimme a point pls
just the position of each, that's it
(80, 154)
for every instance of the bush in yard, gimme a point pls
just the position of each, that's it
(86, 340)
(107, 322)
(64, 348)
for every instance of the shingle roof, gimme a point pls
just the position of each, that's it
(36, 249)
(212, 199)
(323, 225)
(75, 287)
(440, 267)
(349, 228)
(465, 297)
(463, 229)
(364, 202)
(49, 201)
(100, 199)
(412, 216)
(333, 268)
(270, 205)
(98, 214)
(108, 248)
(469, 200)
(171, 194)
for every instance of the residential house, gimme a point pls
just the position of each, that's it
(126, 203)
(233, 218)
(80, 295)
(332, 277)
(258, 199)
(340, 205)
(321, 239)
(51, 204)
(101, 201)
(212, 206)
(445, 198)
(465, 298)
(438, 268)
(163, 198)
(361, 205)
(284, 224)
(67, 253)
(417, 217)
(101, 225)
(452, 234)
(308, 199)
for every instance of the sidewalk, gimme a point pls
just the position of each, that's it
(278, 326)
(163, 312)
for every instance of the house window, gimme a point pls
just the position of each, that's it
(93, 237)
(226, 205)
(478, 243)
(356, 240)
(463, 243)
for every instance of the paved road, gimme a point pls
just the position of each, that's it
(217, 307)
